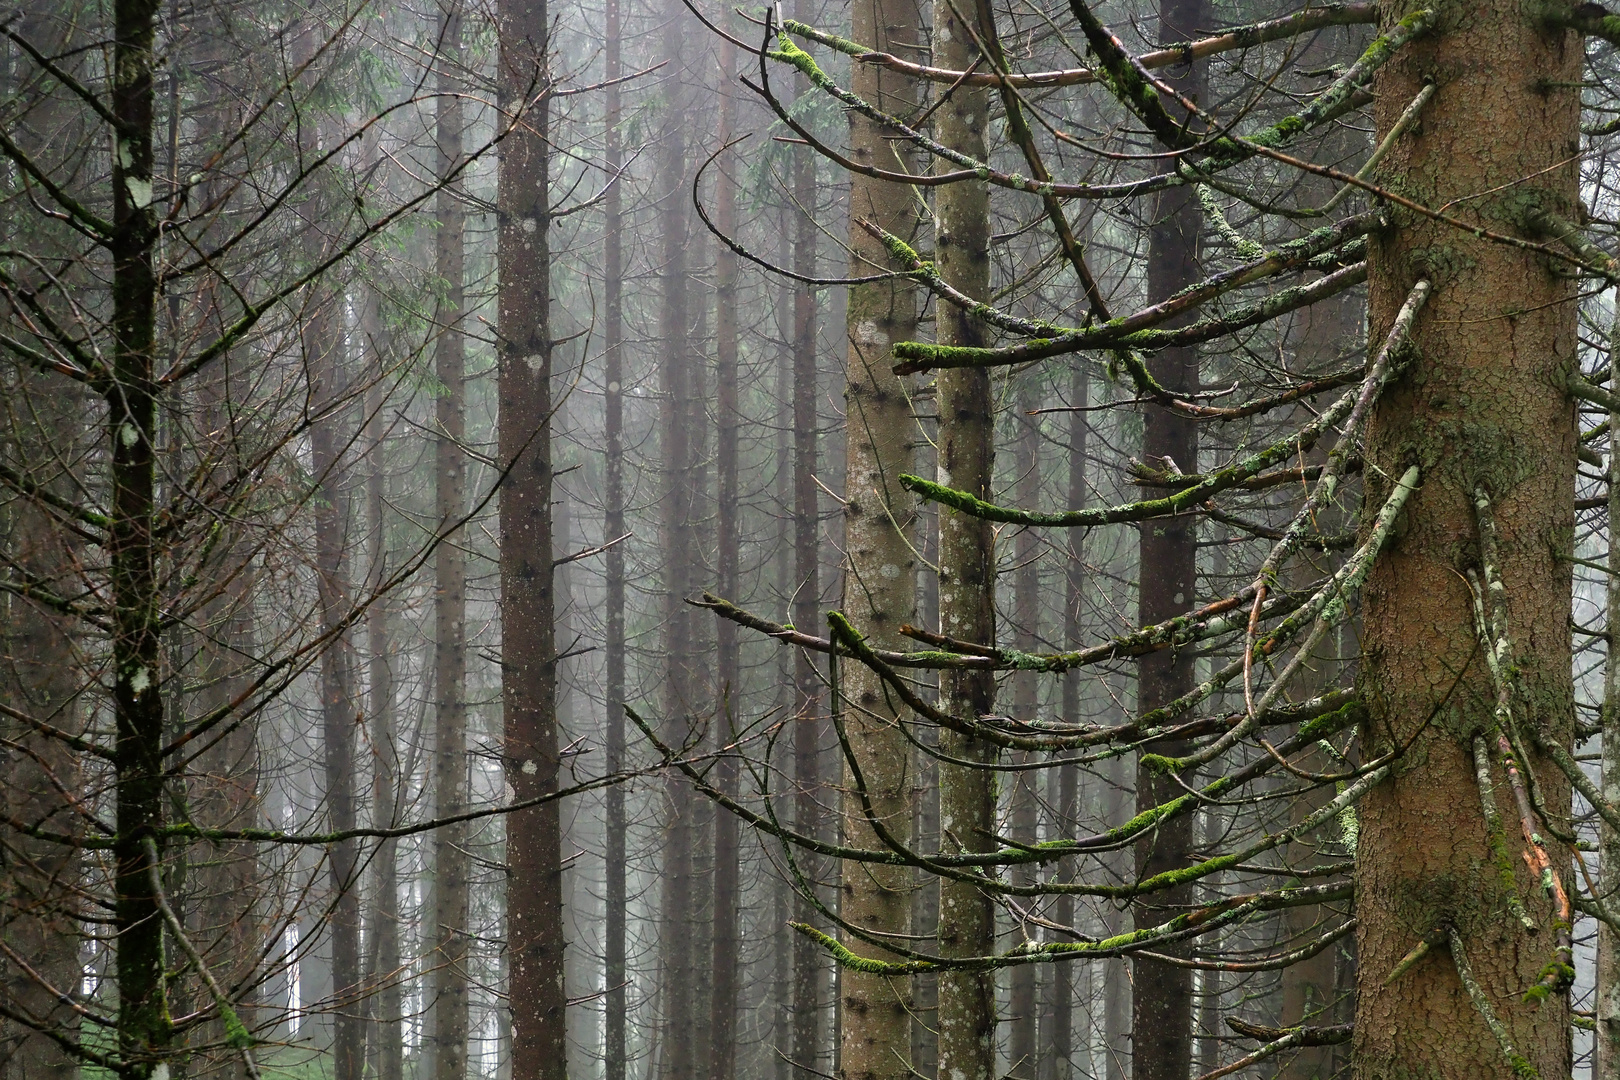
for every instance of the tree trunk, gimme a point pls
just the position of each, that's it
(1066, 979)
(967, 583)
(809, 965)
(1023, 795)
(615, 969)
(1484, 410)
(386, 974)
(534, 923)
(451, 902)
(724, 963)
(323, 347)
(678, 372)
(880, 569)
(1162, 997)
(1606, 993)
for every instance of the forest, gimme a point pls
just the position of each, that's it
(818, 540)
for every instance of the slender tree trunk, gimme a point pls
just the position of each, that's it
(323, 347)
(615, 969)
(1064, 976)
(1485, 412)
(534, 923)
(1162, 999)
(1606, 1042)
(386, 975)
(451, 902)
(724, 964)
(967, 609)
(678, 372)
(809, 964)
(785, 941)
(880, 570)
(1024, 797)
(144, 1031)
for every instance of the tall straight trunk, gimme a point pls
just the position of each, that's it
(1022, 819)
(1606, 1006)
(680, 974)
(144, 1033)
(1060, 1063)
(809, 964)
(724, 964)
(880, 584)
(1162, 998)
(785, 942)
(323, 348)
(967, 582)
(1485, 412)
(388, 1033)
(534, 918)
(448, 995)
(615, 968)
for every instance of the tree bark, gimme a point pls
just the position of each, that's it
(451, 900)
(678, 371)
(809, 965)
(1483, 409)
(1023, 798)
(534, 924)
(724, 963)
(1061, 1064)
(880, 568)
(967, 453)
(1162, 995)
(615, 968)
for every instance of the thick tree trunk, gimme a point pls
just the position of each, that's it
(1483, 409)
(967, 453)
(451, 900)
(534, 923)
(880, 569)
(1162, 995)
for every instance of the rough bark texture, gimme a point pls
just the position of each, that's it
(528, 651)
(1162, 998)
(451, 896)
(1482, 405)
(880, 568)
(967, 799)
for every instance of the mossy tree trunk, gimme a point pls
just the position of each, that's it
(1482, 407)
(967, 581)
